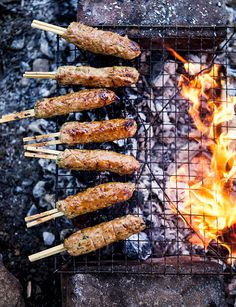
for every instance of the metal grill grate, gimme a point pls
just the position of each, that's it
(165, 247)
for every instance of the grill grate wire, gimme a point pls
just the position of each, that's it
(113, 259)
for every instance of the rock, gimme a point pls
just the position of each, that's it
(48, 238)
(33, 210)
(143, 290)
(39, 190)
(231, 3)
(18, 44)
(149, 12)
(41, 65)
(44, 46)
(41, 125)
(47, 165)
(44, 92)
(27, 182)
(24, 66)
(152, 12)
(10, 289)
(18, 189)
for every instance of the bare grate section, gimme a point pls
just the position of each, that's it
(162, 145)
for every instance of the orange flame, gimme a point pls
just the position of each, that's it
(209, 201)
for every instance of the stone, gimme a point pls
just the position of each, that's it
(39, 189)
(48, 238)
(133, 290)
(150, 12)
(159, 13)
(44, 46)
(41, 65)
(10, 289)
(24, 66)
(18, 44)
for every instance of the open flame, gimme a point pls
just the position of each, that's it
(209, 201)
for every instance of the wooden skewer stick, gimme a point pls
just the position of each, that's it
(39, 74)
(49, 143)
(47, 27)
(40, 156)
(42, 150)
(16, 116)
(39, 215)
(48, 252)
(44, 219)
(41, 136)
(35, 21)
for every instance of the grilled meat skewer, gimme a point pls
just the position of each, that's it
(98, 160)
(89, 132)
(92, 238)
(92, 199)
(96, 198)
(94, 40)
(62, 105)
(115, 76)
(88, 160)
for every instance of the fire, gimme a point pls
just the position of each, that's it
(209, 201)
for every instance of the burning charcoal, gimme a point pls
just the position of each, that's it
(157, 171)
(184, 155)
(142, 184)
(170, 67)
(48, 238)
(154, 220)
(168, 136)
(138, 246)
(160, 80)
(159, 103)
(152, 206)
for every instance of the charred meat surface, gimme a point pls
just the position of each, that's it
(97, 131)
(99, 41)
(92, 238)
(98, 160)
(74, 102)
(96, 198)
(115, 76)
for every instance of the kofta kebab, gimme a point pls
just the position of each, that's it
(103, 195)
(88, 132)
(87, 160)
(92, 199)
(83, 100)
(92, 238)
(96, 41)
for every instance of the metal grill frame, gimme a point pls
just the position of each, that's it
(118, 262)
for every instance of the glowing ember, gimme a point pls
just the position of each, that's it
(208, 201)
